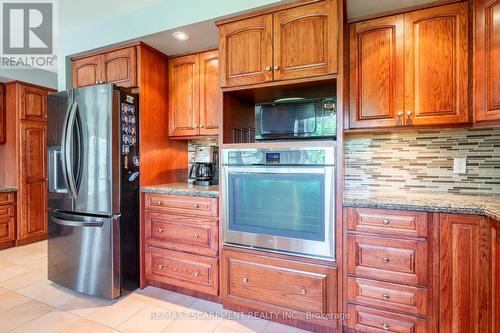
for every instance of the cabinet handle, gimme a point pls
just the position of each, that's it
(245, 280)
(201, 126)
(400, 114)
(159, 202)
(386, 221)
(385, 327)
(276, 67)
(385, 296)
(160, 230)
(195, 206)
(409, 113)
(303, 291)
(96, 82)
(160, 266)
(196, 274)
(268, 68)
(385, 259)
(196, 236)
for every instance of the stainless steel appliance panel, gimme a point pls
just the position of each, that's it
(83, 253)
(97, 178)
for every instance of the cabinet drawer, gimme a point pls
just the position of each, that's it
(6, 198)
(7, 229)
(290, 285)
(389, 222)
(390, 296)
(182, 233)
(6, 211)
(396, 260)
(207, 207)
(370, 320)
(183, 270)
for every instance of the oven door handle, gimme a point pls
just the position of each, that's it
(278, 170)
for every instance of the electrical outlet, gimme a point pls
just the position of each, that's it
(459, 165)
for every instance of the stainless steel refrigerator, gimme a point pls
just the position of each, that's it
(93, 186)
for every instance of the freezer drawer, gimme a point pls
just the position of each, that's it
(84, 254)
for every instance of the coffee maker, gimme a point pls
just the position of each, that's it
(204, 170)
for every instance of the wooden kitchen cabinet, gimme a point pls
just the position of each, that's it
(7, 220)
(264, 283)
(194, 95)
(32, 222)
(376, 72)
(181, 243)
(463, 274)
(410, 69)
(2, 113)
(290, 43)
(487, 60)
(117, 66)
(25, 158)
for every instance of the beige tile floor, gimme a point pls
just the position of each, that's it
(31, 303)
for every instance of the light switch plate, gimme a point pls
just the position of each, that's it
(459, 165)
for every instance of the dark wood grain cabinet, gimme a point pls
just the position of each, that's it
(410, 69)
(458, 287)
(117, 66)
(182, 242)
(25, 158)
(195, 96)
(487, 60)
(293, 43)
(7, 219)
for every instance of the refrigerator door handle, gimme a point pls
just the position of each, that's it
(64, 166)
(68, 223)
(70, 125)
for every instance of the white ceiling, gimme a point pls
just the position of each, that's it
(204, 35)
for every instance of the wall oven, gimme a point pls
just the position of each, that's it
(280, 197)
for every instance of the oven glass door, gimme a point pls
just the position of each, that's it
(280, 208)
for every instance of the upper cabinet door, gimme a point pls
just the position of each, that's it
(210, 93)
(87, 71)
(306, 41)
(487, 60)
(33, 103)
(120, 67)
(376, 72)
(184, 95)
(246, 48)
(436, 65)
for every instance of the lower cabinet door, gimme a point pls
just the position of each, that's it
(7, 226)
(182, 270)
(278, 286)
(370, 320)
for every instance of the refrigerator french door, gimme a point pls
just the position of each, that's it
(280, 199)
(93, 190)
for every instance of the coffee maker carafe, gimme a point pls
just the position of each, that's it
(204, 169)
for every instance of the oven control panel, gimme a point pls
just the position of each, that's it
(276, 157)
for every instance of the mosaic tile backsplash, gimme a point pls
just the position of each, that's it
(422, 160)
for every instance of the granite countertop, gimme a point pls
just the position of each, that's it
(184, 189)
(430, 202)
(6, 189)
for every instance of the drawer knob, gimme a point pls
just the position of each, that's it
(196, 236)
(160, 266)
(158, 202)
(386, 296)
(385, 327)
(245, 280)
(160, 230)
(196, 274)
(196, 205)
(386, 221)
(268, 68)
(303, 291)
(385, 259)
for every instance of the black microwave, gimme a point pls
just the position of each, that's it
(296, 118)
